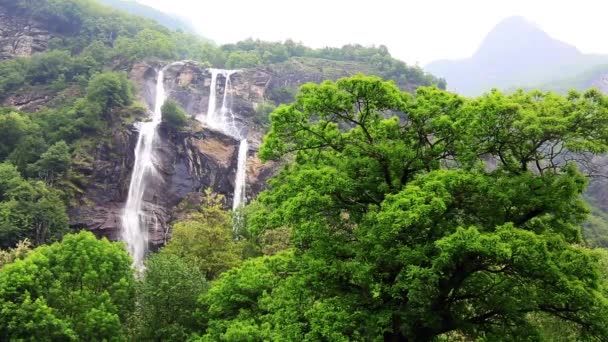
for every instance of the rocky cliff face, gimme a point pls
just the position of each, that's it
(189, 85)
(21, 36)
(107, 181)
(197, 157)
(189, 161)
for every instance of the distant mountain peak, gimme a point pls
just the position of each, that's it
(515, 53)
(516, 20)
(517, 36)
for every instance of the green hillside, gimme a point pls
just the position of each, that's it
(135, 8)
(391, 209)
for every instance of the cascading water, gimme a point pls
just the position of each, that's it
(224, 120)
(241, 176)
(212, 95)
(134, 221)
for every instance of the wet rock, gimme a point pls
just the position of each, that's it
(34, 98)
(216, 150)
(21, 36)
(188, 83)
(107, 175)
(258, 173)
(188, 161)
(143, 75)
(31, 101)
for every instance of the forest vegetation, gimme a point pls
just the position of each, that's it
(395, 216)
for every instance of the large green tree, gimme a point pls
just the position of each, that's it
(205, 239)
(167, 298)
(79, 289)
(29, 209)
(226, 310)
(426, 215)
(53, 163)
(110, 90)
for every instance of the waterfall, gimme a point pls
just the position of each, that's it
(224, 120)
(134, 221)
(240, 185)
(212, 99)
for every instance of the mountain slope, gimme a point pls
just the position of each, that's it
(515, 53)
(596, 77)
(135, 8)
(54, 52)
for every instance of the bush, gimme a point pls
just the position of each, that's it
(29, 209)
(282, 94)
(173, 115)
(110, 90)
(79, 289)
(243, 59)
(262, 113)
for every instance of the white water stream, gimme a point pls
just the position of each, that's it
(135, 222)
(224, 120)
(240, 185)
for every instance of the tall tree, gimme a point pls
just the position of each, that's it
(29, 209)
(205, 239)
(110, 90)
(78, 289)
(167, 299)
(419, 216)
(53, 163)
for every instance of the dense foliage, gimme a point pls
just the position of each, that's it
(234, 307)
(167, 298)
(205, 239)
(168, 20)
(453, 217)
(173, 115)
(79, 289)
(250, 53)
(396, 216)
(84, 21)
(29, 209)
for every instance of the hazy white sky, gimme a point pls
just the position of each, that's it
(417, 31)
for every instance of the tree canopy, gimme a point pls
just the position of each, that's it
(420, 216)
(110, 90)
(78, 289)
(173, 115)
(167, 299)
(29, 209)
(205, 239)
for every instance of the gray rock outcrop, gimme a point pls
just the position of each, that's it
(21, 36)
(189, 161)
